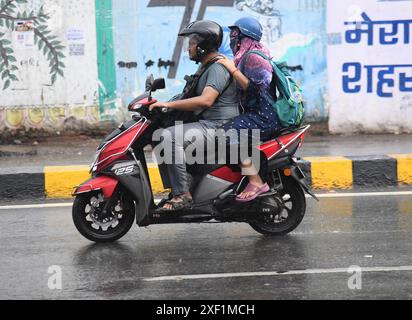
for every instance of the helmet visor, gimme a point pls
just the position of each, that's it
(190, 41)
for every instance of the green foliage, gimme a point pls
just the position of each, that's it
(7, 60)
(52, 49)
(47, 43)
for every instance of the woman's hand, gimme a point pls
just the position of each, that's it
(235, 72)
(159, 105)
(228, 64)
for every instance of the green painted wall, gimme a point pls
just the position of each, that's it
(105, 58)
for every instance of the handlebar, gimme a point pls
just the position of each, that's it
(145, 111)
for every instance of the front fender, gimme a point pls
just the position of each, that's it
(101, 183)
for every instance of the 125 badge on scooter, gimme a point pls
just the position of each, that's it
(128, 168)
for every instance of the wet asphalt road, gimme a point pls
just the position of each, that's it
(373, 231)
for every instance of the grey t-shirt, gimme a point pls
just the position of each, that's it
(226, 105)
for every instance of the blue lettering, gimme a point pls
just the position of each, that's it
(348, 80)
(403, 80)
(383, 81)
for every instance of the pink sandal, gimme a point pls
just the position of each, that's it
(256, 192)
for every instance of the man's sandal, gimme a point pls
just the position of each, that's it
(186, 203)
(164, 200)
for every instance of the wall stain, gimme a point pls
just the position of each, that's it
(165, 63)
(149, 64)
(128, 65)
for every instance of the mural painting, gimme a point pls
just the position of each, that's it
(55, 64)
(295, 31)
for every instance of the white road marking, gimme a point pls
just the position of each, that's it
(38, 206)
(321, 195)
(274, 273)
(363, 194)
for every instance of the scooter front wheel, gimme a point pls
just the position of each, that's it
(90, 222)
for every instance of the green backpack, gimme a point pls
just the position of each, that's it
(289, 105)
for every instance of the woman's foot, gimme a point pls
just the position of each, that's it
(252, 191)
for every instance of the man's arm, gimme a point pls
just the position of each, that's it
(206, 100)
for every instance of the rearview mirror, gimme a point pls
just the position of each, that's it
(158, 84)
(149, 82)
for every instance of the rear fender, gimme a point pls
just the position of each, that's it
(298, 175)
(101, 183)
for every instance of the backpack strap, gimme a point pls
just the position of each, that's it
(231, 77)
(261, 54)
(193, 80)
(258, 53)
(275, 68)
(202, 70)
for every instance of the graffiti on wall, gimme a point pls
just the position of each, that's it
(271, 18)
(189, 8)
(27, 25)
(294, 31)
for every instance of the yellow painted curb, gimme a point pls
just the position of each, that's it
(331, 172)
(155, 179)
(59, 182)
(404, 168)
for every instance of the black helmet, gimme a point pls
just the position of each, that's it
(209, 32)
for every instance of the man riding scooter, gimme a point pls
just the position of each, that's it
(214, 102)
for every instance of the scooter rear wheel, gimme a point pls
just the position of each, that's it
(86, 217)
(291, 215)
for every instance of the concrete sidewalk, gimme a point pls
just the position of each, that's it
(52, 167)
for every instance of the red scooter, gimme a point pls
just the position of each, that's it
(119, 192)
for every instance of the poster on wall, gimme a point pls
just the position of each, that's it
(24, 33)
(75, 38)
(370, 66)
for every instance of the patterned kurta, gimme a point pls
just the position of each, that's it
(257, 101)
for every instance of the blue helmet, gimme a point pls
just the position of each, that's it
(249, 27)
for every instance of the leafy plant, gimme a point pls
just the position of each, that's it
(6, 62)
(47, 43)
